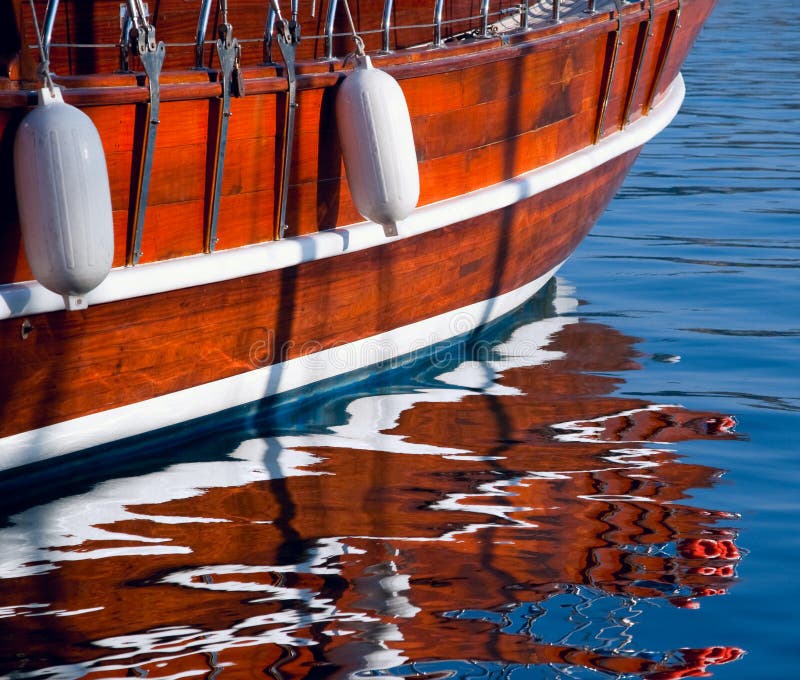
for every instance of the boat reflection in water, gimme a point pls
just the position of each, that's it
(502, 508)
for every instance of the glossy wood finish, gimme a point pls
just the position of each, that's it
(515, 107)
(119, 353)
(482, 111)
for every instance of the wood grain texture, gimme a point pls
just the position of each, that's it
(481, 112)
(119, 353)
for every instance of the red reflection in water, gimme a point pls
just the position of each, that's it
(547, 487)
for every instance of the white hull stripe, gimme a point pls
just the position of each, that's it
(20, 299)
(203, 400)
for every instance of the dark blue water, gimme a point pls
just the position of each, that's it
(604, 484)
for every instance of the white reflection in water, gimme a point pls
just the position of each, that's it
(288, 603)
(41, 537)
(48, 534)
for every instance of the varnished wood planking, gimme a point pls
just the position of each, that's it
(317, 140)
(499, 74)
(492, 88)
(649, 64)
(528, 100)
(692, 18)
(179, 164)
(119, 353)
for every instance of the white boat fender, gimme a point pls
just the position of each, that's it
(377, 143)
(63, 198)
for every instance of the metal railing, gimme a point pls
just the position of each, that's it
(527, 14)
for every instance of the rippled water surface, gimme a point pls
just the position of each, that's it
(604, 484)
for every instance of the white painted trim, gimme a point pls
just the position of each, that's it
(203, 400)
(20, 299)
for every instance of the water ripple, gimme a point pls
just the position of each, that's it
(750, 333)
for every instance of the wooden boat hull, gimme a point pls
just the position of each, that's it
(187, 333)
(123, 366)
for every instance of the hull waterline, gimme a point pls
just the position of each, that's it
(184, 333)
